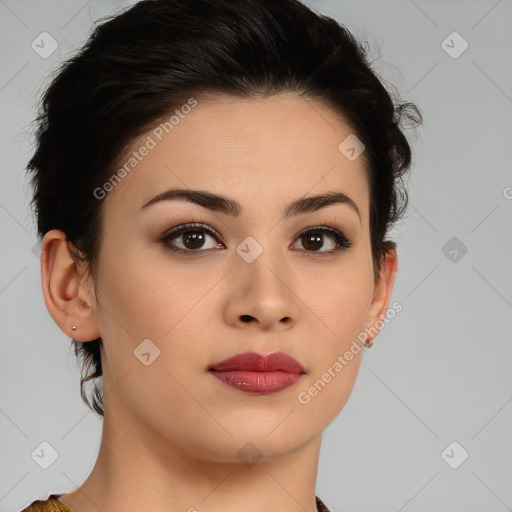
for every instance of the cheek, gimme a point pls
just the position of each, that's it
(146, 297)
(338, 354)
(137, 294)
(139, 301)
(342, 306)
(341, 299)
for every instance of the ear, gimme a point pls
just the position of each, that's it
(69, 298)
(382, 292)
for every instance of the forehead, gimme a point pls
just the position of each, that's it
(259, 150)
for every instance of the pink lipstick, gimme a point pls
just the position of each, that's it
(257, 373)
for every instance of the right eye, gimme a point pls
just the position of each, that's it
(193, 238)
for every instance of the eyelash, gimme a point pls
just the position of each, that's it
(343, 241)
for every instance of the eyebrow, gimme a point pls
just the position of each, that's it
(231, 207)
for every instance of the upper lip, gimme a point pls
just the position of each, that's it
(252, 361)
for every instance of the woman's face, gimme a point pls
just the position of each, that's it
(261, 281)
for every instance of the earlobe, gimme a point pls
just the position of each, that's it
(65, 294)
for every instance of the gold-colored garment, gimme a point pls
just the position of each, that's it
(52, 504)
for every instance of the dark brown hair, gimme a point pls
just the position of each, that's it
(142, 64)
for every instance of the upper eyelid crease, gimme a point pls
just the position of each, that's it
(231, 207)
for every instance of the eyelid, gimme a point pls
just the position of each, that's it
(189, 226)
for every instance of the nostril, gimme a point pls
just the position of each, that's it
(246, 318)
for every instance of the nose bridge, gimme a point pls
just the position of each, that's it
(262, 266)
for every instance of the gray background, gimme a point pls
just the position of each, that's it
(440, 372)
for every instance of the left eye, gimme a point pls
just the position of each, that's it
(314, 237)
(193, 238)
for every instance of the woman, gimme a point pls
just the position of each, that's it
(214, 182)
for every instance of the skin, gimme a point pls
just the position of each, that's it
(171, 430)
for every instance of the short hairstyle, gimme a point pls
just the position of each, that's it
(142, 64)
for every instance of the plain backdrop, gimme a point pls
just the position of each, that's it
(428, 424)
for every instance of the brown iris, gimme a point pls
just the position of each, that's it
(193, 239)
(316, 238)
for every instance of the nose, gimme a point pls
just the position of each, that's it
(262, 297)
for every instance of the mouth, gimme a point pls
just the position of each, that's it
(258, 374)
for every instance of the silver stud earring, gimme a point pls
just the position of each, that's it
(74, 327)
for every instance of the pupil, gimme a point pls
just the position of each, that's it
(315, 237)
(197, 238)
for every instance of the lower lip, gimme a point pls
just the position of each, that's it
(262, 383)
